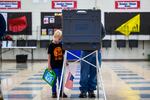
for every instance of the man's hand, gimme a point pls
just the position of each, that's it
(67, 64)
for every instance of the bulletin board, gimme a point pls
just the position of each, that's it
(50, 21)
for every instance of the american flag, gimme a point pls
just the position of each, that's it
(69, 82)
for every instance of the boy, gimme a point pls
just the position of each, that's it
(55, 60)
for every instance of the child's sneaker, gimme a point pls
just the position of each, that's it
(54, 95)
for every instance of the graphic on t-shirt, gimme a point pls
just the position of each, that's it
(58, 53)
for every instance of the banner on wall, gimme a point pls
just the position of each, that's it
(127, 4)
(65, 4)
(5, 4)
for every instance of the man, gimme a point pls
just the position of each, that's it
(2, 31)
(2, 26)
(88, 79)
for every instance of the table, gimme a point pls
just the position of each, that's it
(21, 48)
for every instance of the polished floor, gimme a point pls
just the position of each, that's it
(122, 81)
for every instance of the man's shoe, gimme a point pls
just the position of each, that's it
(91, 94)
(54, 95)
(83, 95)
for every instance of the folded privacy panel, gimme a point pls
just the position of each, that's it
(81, 29)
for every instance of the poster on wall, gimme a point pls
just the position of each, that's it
(19, 23)
(9, 4)
(45, 20)
(44, 32)
(49, 20)
(127, 4)
(52, 19)
(50, 31)
(131, 23)
(64, 4)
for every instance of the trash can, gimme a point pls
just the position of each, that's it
(22, 58)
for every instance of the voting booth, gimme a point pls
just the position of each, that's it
(81, 29)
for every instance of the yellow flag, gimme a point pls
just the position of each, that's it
(132, 25)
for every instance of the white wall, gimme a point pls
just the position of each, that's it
(125, 53)
(104, 5)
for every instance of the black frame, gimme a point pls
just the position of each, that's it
(133, 43)
(44, 43)
(121, 43)
(106, 43)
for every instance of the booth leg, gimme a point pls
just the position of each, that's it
(1, 96)
(97, 69)
(62, 75)
(99, 76)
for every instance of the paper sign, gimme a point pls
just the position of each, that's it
(52, 19)
(66, 4)
(132, 4)
(45, 21)
(5, 4)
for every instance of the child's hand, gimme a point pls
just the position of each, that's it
(49, 67)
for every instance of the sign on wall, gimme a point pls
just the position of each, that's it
(134, 23)
(127, 4)
(5, 4)
(131, 25)
(65, 4)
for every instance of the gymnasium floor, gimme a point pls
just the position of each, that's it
(122, 81)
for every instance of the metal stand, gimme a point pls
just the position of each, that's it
(1, 96)
(99, 74)
(20, 48)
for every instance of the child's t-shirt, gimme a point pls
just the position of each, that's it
(56, 52)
